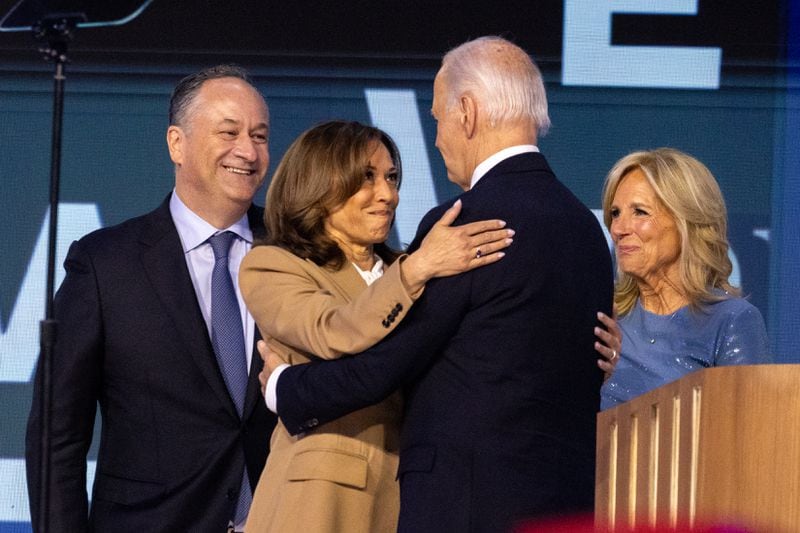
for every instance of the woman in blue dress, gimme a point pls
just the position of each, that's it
(677, 311)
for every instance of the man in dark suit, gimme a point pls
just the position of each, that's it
(501, 380)
(177, 452)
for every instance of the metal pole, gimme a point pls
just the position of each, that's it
(58, 33)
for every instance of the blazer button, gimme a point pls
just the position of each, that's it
(398, 308)
(386, 323)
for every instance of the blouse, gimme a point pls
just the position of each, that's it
(659, 349)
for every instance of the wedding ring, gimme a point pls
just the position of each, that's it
(614, 355)
(478, 254)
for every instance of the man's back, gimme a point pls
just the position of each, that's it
(502, 422)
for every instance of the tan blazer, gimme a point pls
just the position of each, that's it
(340, 476)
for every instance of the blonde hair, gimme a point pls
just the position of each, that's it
(691, 195)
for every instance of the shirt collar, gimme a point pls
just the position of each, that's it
(370, 276)
(492, 161)
(194, 231)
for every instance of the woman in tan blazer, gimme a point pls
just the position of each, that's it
(327, 284)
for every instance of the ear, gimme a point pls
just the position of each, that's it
(175, 141)
(468, 109)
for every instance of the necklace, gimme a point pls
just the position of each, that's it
(662, 326)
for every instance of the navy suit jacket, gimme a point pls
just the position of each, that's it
(132, 338)
(498, 364)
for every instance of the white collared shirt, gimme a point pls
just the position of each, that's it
(194, 232)
(370, 276)
(490, 162)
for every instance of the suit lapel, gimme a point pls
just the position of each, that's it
(253, 393)
(255, 216)
(165, 265)
(347, 280)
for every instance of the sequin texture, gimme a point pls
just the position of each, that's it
(658, 349)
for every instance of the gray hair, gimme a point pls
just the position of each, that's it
(184, 94)
(501, 76)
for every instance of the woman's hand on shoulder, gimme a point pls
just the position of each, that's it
(447, 250)
(609, 344)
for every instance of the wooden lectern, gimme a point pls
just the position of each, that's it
(719, 446)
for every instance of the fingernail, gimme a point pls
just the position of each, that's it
(600, 314)
(502, 223)
(596, 330)
(511, 232)
(509, 241)
(501, 254)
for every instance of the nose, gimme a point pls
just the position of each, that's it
(619, 226)
(246, 148)
(383, 190)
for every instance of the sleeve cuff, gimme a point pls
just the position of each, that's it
(271, 391)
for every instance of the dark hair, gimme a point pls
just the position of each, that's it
(185, 92)
(321, 169)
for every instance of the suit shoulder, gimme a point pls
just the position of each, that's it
(269, 257)
(434, 214)
(127, 231)
(269, 253)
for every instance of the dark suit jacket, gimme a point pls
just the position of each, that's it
(132, 338)
(501, 375)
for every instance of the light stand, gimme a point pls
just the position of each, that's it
(56, 32)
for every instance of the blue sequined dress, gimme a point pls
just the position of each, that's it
(658, 349)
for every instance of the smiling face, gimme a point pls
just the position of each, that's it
(646, 239)
(221, 151)
(366, 217)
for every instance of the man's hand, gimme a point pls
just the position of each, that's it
(271, 362)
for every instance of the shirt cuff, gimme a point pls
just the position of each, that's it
(271, 392)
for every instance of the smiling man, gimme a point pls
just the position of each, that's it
(184, 436)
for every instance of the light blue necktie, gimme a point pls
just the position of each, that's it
(227, 338)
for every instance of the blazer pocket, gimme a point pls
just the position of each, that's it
(330, 465)
(419, 458)
(126, 491)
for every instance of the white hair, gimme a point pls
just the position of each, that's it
(501, 76)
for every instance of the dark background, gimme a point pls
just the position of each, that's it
(263, 31)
